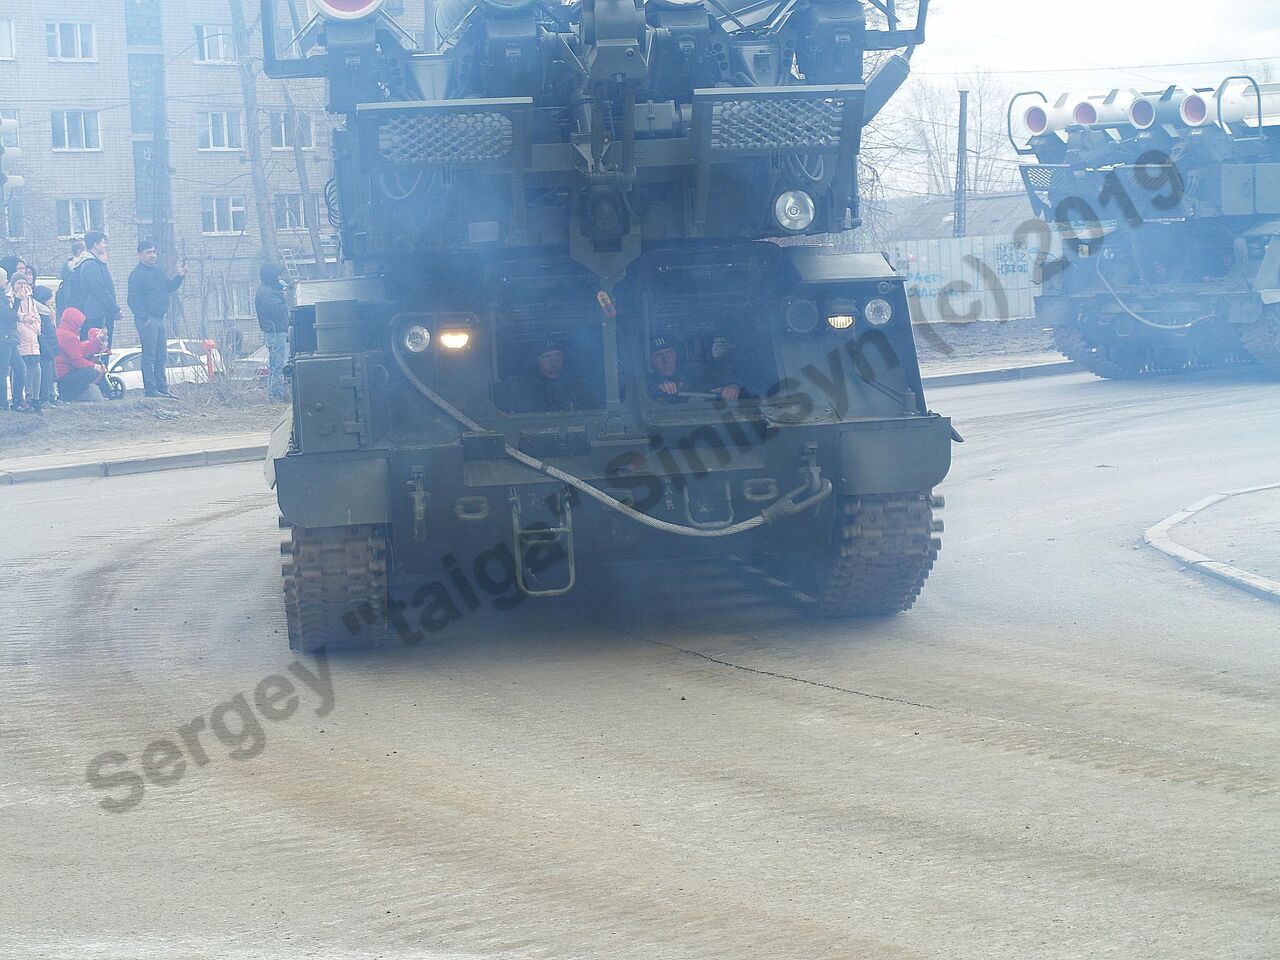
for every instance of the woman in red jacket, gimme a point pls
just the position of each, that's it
(74, 365)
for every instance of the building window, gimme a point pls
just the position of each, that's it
(9, 138)
(223, 215)
(76, 130)
(71, 41)
(78, 215)
(213, 43)
(282, 131)
(291, 213)
(142, 23)
(8, 47)
(219, 131)
(240, 300)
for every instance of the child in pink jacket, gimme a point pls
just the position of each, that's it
(28, 338)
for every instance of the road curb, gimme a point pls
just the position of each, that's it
(1032, 372)
(1160, 537)
(129, 466)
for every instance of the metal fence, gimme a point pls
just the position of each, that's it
(969, 278)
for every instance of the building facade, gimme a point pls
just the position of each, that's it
(132, 119)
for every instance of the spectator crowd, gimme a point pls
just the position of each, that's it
(56, 336)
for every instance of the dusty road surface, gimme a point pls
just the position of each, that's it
(1069, 749)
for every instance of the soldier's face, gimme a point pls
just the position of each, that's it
(664, 362)
(551, 363)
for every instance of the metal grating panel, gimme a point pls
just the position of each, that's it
(1038, 177)
(799, 123)
(446, 138)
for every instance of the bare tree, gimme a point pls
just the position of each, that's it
(932, 128)
(253, 142)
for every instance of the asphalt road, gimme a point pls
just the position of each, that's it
(1069, 749)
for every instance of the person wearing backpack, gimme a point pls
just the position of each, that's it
(273, 319)
(93, 292)
(77, 248)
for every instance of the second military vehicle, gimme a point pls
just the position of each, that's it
(568, 338)
(1163, 209)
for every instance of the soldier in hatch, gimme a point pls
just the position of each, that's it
(667, 381)
(550, 387)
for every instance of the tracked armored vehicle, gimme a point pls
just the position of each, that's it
(1160, 212)
(570, 335)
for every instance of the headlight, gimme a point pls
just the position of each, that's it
(840, 321)
(793, 210)
(455, 339)
(878, 312)
(417, 338)
(802, 316)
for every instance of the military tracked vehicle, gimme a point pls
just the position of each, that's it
(570, 335)
(1162, 211)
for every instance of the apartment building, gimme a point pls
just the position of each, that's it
(104, 92)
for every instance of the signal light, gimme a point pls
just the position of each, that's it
(346, 9)
(455, 339)
(8, 181)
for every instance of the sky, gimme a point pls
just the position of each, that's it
(1079, 47)
(1091, 45)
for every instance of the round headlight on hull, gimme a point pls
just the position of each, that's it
(794, 211)
(417, 338)
(878, 312)
(346, 9)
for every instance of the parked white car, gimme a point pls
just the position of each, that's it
(188, 362)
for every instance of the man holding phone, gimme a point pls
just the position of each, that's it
(149, 292)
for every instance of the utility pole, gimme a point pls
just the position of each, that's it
(962, 168)
(293, 120)
(257, 172)
(161, 191)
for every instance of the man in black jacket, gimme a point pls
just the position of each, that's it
(149, 293)
(93, 292)
(273, 318)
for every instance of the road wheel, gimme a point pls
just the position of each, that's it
(1109, 361)
(115, 388)
(335, 587)
(881, 554)
(1262, 339)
